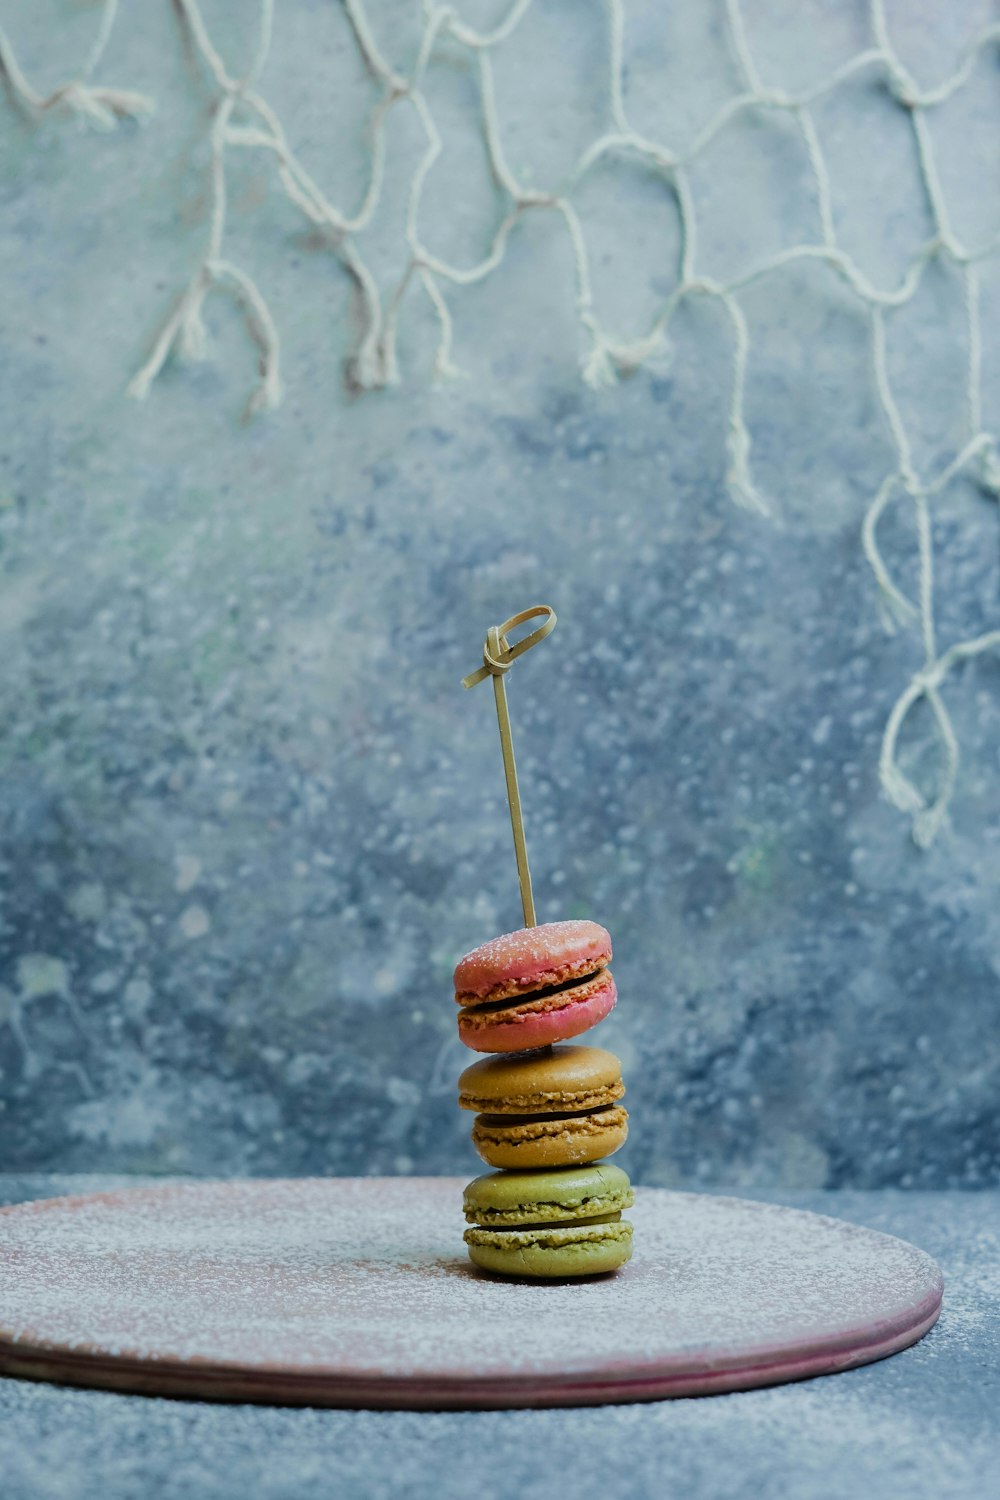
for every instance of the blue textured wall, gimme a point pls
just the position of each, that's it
(250, 819)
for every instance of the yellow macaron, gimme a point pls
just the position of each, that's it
(551, 1108)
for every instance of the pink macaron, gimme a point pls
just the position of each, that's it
(535, 986)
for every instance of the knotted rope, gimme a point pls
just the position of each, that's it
(498, 655)
(242, 119)
(98, 105)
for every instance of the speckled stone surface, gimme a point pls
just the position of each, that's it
(919, 1426)
(250, 818)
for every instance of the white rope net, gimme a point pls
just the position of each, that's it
(242, 119)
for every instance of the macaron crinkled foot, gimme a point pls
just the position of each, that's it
(549, 1224)
(531, 988)
(553, 1108)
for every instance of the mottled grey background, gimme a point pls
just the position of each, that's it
(249, 817)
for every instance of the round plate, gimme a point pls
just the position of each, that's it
(357, 1292)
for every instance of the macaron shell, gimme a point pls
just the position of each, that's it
(574, 1251)
(551, 1018)
(518, 1199)
(550, 1142)
(531, 958)
(563, 1078)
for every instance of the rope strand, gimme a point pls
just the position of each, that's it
(242, 119)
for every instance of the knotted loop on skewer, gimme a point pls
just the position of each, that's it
(498, 653)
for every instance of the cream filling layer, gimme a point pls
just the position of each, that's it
(570, 1212)
(513, 1131)
(550, 1237)
(559, 974)
(488, 1014)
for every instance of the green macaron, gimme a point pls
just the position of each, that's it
(564, 1222)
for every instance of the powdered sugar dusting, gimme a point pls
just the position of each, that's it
(552, 952)
(367, 1277)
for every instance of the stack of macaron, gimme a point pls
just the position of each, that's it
(546, 1114)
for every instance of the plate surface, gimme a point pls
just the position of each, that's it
(357, 1292)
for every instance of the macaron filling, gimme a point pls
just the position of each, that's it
(556, 997)
(561, 1224)
(531, 1214)
(524, 1028)
(546, 1117)
(513, 1129)
(549, 1236)
(550, 979)
(548, 1141)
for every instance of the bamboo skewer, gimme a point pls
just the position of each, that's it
(498, 654)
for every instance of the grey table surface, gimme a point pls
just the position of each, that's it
(923, 1423)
